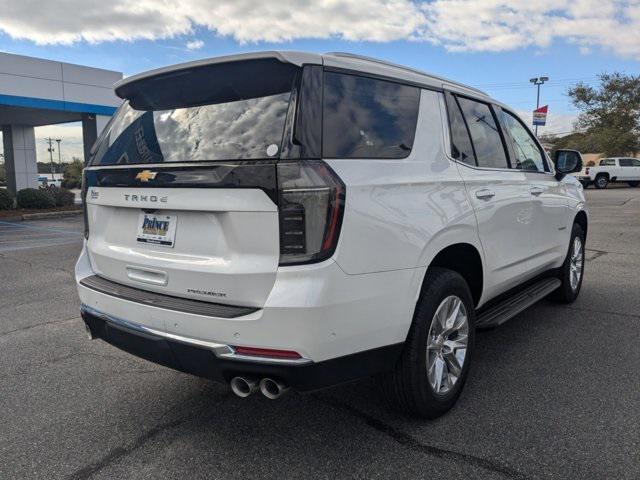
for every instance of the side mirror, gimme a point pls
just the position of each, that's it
(567, 161)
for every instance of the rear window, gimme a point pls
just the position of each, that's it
(223, 112)
(367, 118)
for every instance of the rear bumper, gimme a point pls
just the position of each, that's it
(317, 311)
(214, 362)
(343, 326)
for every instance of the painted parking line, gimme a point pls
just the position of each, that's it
(22, 236)
(48, 244)
(34, 227)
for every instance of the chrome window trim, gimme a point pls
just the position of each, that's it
(447, 144)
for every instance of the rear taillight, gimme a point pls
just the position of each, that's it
(311, 206)
(586, 171)
(84, 205)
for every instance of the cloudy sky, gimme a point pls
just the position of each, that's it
(492, 44)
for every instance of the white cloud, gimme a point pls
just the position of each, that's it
(195, 45)
(457, 25)
(496, 25)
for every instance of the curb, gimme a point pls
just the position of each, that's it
(42, 216)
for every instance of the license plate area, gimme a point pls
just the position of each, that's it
(157, 229)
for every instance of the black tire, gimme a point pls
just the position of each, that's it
(601, 181)
(407, 387)
(633, 184)
(585, 185)
(566, 293)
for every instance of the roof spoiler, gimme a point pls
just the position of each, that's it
(123, 87)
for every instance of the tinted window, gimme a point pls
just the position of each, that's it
(220, 113)
(485, 135)
(461, 148)
(367, 118)
(629, 162)
(527, 154)
(607, 162)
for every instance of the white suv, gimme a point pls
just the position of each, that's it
(284, 219)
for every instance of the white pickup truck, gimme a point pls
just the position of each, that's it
(617, 169)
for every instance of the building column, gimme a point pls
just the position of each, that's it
(20, 157)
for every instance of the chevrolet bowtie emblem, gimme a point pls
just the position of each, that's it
(146, 175)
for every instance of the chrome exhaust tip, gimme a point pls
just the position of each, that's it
(243, 386)
(272, 389)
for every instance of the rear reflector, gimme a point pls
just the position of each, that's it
(266, 352)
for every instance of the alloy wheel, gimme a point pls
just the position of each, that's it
(575, 263)
(447, 344)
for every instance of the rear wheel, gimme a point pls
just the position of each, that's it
(634, 184)
(435, 361)
(571, 272)
(601, 181)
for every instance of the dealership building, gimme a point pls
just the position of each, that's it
(36, 92)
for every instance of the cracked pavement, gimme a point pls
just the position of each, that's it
(554, 393)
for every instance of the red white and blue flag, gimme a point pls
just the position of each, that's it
(540, 115)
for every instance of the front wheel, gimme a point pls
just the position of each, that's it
(572, 270)
(434, 364)
(634, 184)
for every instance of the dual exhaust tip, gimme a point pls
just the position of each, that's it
(245, 386)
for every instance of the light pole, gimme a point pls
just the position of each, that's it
(538, 81)
(59, 160)
(49, 140)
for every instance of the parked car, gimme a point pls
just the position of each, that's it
(46, 180)
(284, 219)
(617, 169)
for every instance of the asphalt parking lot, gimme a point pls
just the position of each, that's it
(554, 393)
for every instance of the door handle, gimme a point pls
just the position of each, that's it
(485, 194)
(537, 191)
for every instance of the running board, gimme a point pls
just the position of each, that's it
(513, 305)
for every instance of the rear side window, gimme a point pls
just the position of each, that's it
(629, 162)
(608, 162)
(485, 135)
(367, 118)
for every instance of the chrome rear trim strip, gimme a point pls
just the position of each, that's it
(220, 350)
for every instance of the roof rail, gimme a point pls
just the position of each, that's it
(402, 67)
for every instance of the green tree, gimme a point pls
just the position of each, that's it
(610, 114)
(45, 167)
(581, 141)
(72, 177)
